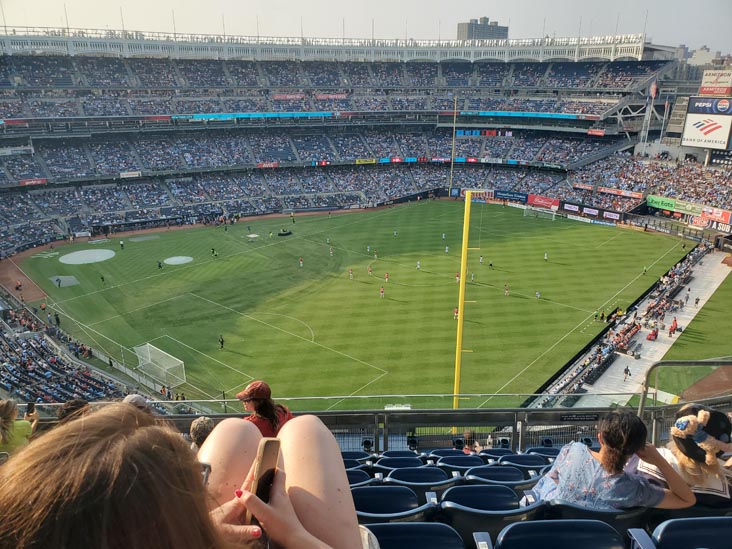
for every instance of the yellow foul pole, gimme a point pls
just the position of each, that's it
(461, 298)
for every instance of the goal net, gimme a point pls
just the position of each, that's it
(161, 366)
(540, 212)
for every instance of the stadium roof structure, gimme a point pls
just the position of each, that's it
(125, 43)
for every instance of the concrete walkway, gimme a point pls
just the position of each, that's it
(707, 277)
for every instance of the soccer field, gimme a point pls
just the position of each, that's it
(314, 331)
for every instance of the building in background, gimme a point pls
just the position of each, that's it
(482, 29)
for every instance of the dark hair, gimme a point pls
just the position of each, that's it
(623, 434)
(112, 478)
(270, 411)
(72, 409)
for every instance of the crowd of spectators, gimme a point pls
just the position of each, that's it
(34, 371)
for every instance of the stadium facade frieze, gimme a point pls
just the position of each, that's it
(126, 43)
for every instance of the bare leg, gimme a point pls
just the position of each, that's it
(317, 483)
(230, 449)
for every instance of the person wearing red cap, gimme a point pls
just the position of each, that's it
(265, 414)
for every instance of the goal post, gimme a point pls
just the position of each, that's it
(160, 366)
(530, 211)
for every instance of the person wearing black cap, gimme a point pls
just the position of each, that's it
(265, 414)
(700, 436)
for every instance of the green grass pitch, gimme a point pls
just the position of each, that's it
(313, 331)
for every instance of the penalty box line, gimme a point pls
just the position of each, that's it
(325, 347)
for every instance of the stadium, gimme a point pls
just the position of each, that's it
(418, 241)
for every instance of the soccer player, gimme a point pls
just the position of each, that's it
(386, 277)
(472, 277)
(102, 277)
(368, 249)
(221, 341)
(490, 265)
(395, 233)
(160, 265)
(213, 252)
(443, 236)
(331, 251)
(370, 271)
(480, 260)
(419, 265)
(381, 292)
(300, 260)
(447, 249)
(546, 256)
(455, 312)
(506, 290)
(457, 277)
(121, 244)
(538, 294)
(350, 273)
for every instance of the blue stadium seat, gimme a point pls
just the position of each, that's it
(442, 452)
(657, 516)
(359, 477)
(479, 508)
(422, 480)
(620, 519)
(501, 475)
(459, 463)
(399, 453)
(546, 451)
(420, 535)
(358, 455)
(559, 534)
(385, 465)
(390, 504)
(530, 464)
(688, 533)
(353, 464)
(494, 454)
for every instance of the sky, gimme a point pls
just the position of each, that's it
(666, 22)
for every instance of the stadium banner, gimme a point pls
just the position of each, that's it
(36, 181)
(687, 207)
(11, 151)
(489, 160)
(511, 195)
(385, 160)
(410, 159)
(708, 122)
(286, 96)
(268, 164)
(459, 160)
(519, 114)
(595, 131)
(579, 218)
(455, 192)
(570, 207)
(590, 211)
(126, 175)
(539, 201)
(716, 214)
(619, 192)
(440, 160)
(699, 222)
(396, 160)
(479, 195)
(611, 215)
(716, 82)
(365, 161)
(584, 186)
(606, 223)
(331, 96)
(661, 202)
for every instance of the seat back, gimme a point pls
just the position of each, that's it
(422, 535)
(352, 464)
(398, 453)
(358, 476)
(419, 474)
(384, 499)
(359, 455)
(495, 453)
(442, 452)
(620, 519)
(491, 472)
(483, 497)
(548, 451)
(459, 463)
(399, 462)
(534, 460)
(559, 534)
(690, 533)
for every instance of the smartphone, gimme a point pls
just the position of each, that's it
(265, 466)
(30, 407)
